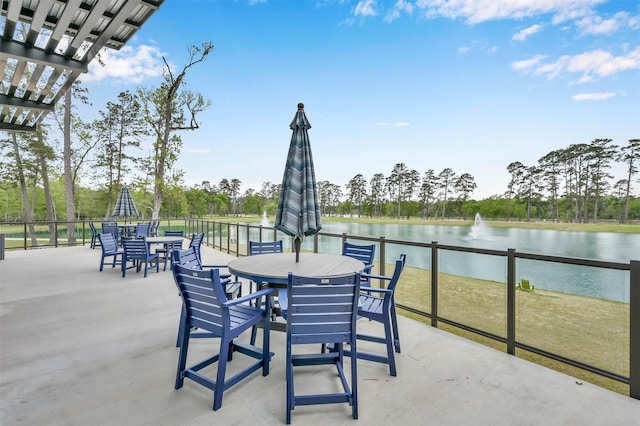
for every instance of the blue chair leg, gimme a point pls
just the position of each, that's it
(181, 327)
(389, 344)
(394, 326)
(222, 369)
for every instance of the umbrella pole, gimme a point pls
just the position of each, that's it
(297, 243)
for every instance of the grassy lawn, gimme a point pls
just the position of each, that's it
(589, 330)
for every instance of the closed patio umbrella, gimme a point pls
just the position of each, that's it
(298, 211)
(125, 207)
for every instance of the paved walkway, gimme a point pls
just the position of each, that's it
(82, 347)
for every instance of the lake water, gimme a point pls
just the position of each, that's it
(581, 280)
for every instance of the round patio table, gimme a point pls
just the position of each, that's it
(274, 268)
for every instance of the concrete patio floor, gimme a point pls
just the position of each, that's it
(82, 347)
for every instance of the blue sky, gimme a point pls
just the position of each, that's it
(468, 84)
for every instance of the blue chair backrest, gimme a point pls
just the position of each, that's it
(186, 258)
(108, 243)
(202, 294)
(111, 228)
(135, 248)
(142, 230)
(396, 273)
(174, 233)
(264, 247)
(363, 253)
(196, 242)
(322, 310)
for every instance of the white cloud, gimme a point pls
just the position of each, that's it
(480, 45)
(595, 25)
(365, 8)
(526, 32)
(592, 65)
(476, 11)
(398, 8)
(402, 124)
(527, 63)
(593, 96)
(129, 64)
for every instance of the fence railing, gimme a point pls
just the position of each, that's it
(233, 238)
(426, 298)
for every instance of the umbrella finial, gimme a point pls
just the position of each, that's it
(300, 105)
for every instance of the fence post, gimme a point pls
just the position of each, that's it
(434, 284)
(383, 257)
(634, 329)
(511, 301)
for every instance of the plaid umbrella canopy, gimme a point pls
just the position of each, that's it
(125, 207)
(298, 212)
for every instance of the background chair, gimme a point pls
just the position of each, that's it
(153, 229)
(207, 308)
(111, 228)
(196, 243)
(525, 285)
(267, 247)
(142, 230)
(188, 259)
(110, 248)
(263, 247)
(165, 252)
(364, 253)
(136, 250)
(322, 310)
(378, 304)
(94, 236)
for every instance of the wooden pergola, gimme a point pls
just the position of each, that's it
(47, 44)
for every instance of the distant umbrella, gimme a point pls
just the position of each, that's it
(298, 211)
(125, 207)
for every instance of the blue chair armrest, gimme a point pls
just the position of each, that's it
(377, 277)
(367, 267)
(375, 290)
(222, 276)
(248, 297)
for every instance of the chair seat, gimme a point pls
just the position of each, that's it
(370, 304)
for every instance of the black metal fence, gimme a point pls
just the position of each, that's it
(233, 238)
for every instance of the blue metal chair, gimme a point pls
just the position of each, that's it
(153, 229)
(188, 259)
(111, 228)
(207, 308)
(322, 310)
(196, 243)
(110, 248)
(263, 247)
(95, 241)
(165, 251)
(142, 229)
(378, 304)
(136, 250)
(266, 247)
(363, 253)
